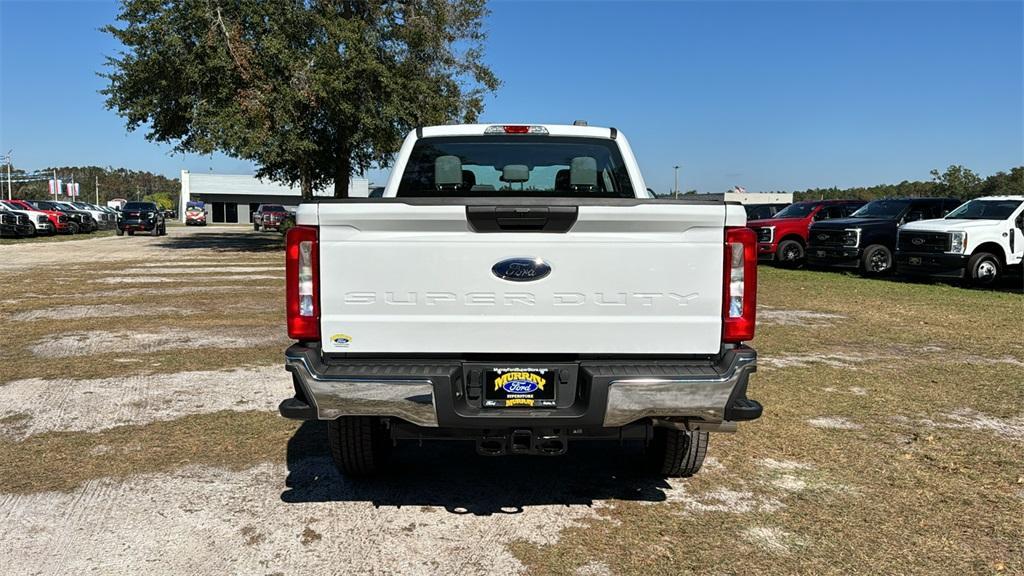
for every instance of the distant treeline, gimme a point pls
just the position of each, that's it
(955, 182)
(113, 183)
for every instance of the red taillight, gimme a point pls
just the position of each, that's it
(739, 295)
(302, 278)
(517, 129)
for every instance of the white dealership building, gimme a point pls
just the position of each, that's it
(232, 198)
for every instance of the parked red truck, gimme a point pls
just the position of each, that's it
(783, 237)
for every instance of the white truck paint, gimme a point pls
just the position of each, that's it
(978, 240)
(531, 258)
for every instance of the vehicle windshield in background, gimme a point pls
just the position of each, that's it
(882, 209)
(984, 210)
(139, 207)
(273, 208)
(795, 211)
(545, 166)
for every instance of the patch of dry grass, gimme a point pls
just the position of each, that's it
(64, 460)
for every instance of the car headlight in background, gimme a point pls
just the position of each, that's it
(957, 242)
(852, 237)
(766, 234)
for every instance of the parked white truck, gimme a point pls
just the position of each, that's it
(979, 241)
(518, 287)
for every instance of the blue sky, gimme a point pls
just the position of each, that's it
(767, 95)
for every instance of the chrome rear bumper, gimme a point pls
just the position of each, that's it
(704, 393)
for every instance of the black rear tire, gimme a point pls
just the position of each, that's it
(360, 445)
(877, 260)
(73, 228)
(120, 232)
(676, 453)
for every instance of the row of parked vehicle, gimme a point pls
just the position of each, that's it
(980, 240)
(21, 218)
(26, 218)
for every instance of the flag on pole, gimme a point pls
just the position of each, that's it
(55, 186)
(73, 189)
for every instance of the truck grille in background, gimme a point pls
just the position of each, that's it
(827, 237)
(763, 234)
(923, 241)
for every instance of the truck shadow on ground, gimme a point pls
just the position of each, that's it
(452, 476)
(225, 242)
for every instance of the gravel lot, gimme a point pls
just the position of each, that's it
(888, 445)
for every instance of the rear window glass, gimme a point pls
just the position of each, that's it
(273, 208)
(544, 166)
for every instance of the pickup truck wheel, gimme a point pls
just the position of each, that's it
(359, 445)
(73, 228)
(790, 253)
(676, 453)
(877, 260)
(256, 227)
(984, 268)
(120, 232)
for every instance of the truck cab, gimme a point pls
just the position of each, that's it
(517, 287)
(783, 237)
(980, 241)
(866, 241)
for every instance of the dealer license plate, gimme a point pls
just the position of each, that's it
(519, 387)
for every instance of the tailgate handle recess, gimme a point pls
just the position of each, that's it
(554, 219)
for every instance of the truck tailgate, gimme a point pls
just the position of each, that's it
(644, 278)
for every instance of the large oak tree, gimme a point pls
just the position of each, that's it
(311, 91)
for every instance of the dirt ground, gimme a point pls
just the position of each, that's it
(139, 379)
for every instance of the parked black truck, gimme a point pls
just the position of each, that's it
(867, 239)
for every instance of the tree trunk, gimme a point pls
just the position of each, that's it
(304, 183)
(342, 173)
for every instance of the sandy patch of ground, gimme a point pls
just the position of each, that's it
(100, 342)
(968, 419)
(75, 312)
(203, 269)
(594, 568)
(784, 465)
(834, 360)
(776, 316)
(98, 404)
(209, 521)
(773, 539)
(719, 500)
(165, 279)
(834, 423)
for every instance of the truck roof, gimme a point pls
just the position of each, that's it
(1001, 197)
(552, 129)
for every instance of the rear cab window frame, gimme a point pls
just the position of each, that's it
(619, 177)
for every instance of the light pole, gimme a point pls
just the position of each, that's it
(8, 158)
(676, 170)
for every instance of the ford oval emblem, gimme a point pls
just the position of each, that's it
(917, 241)
(521, 269)
(520, 387)
(822, 236)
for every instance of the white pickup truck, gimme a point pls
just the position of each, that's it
(979, 241)
(518, 287)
